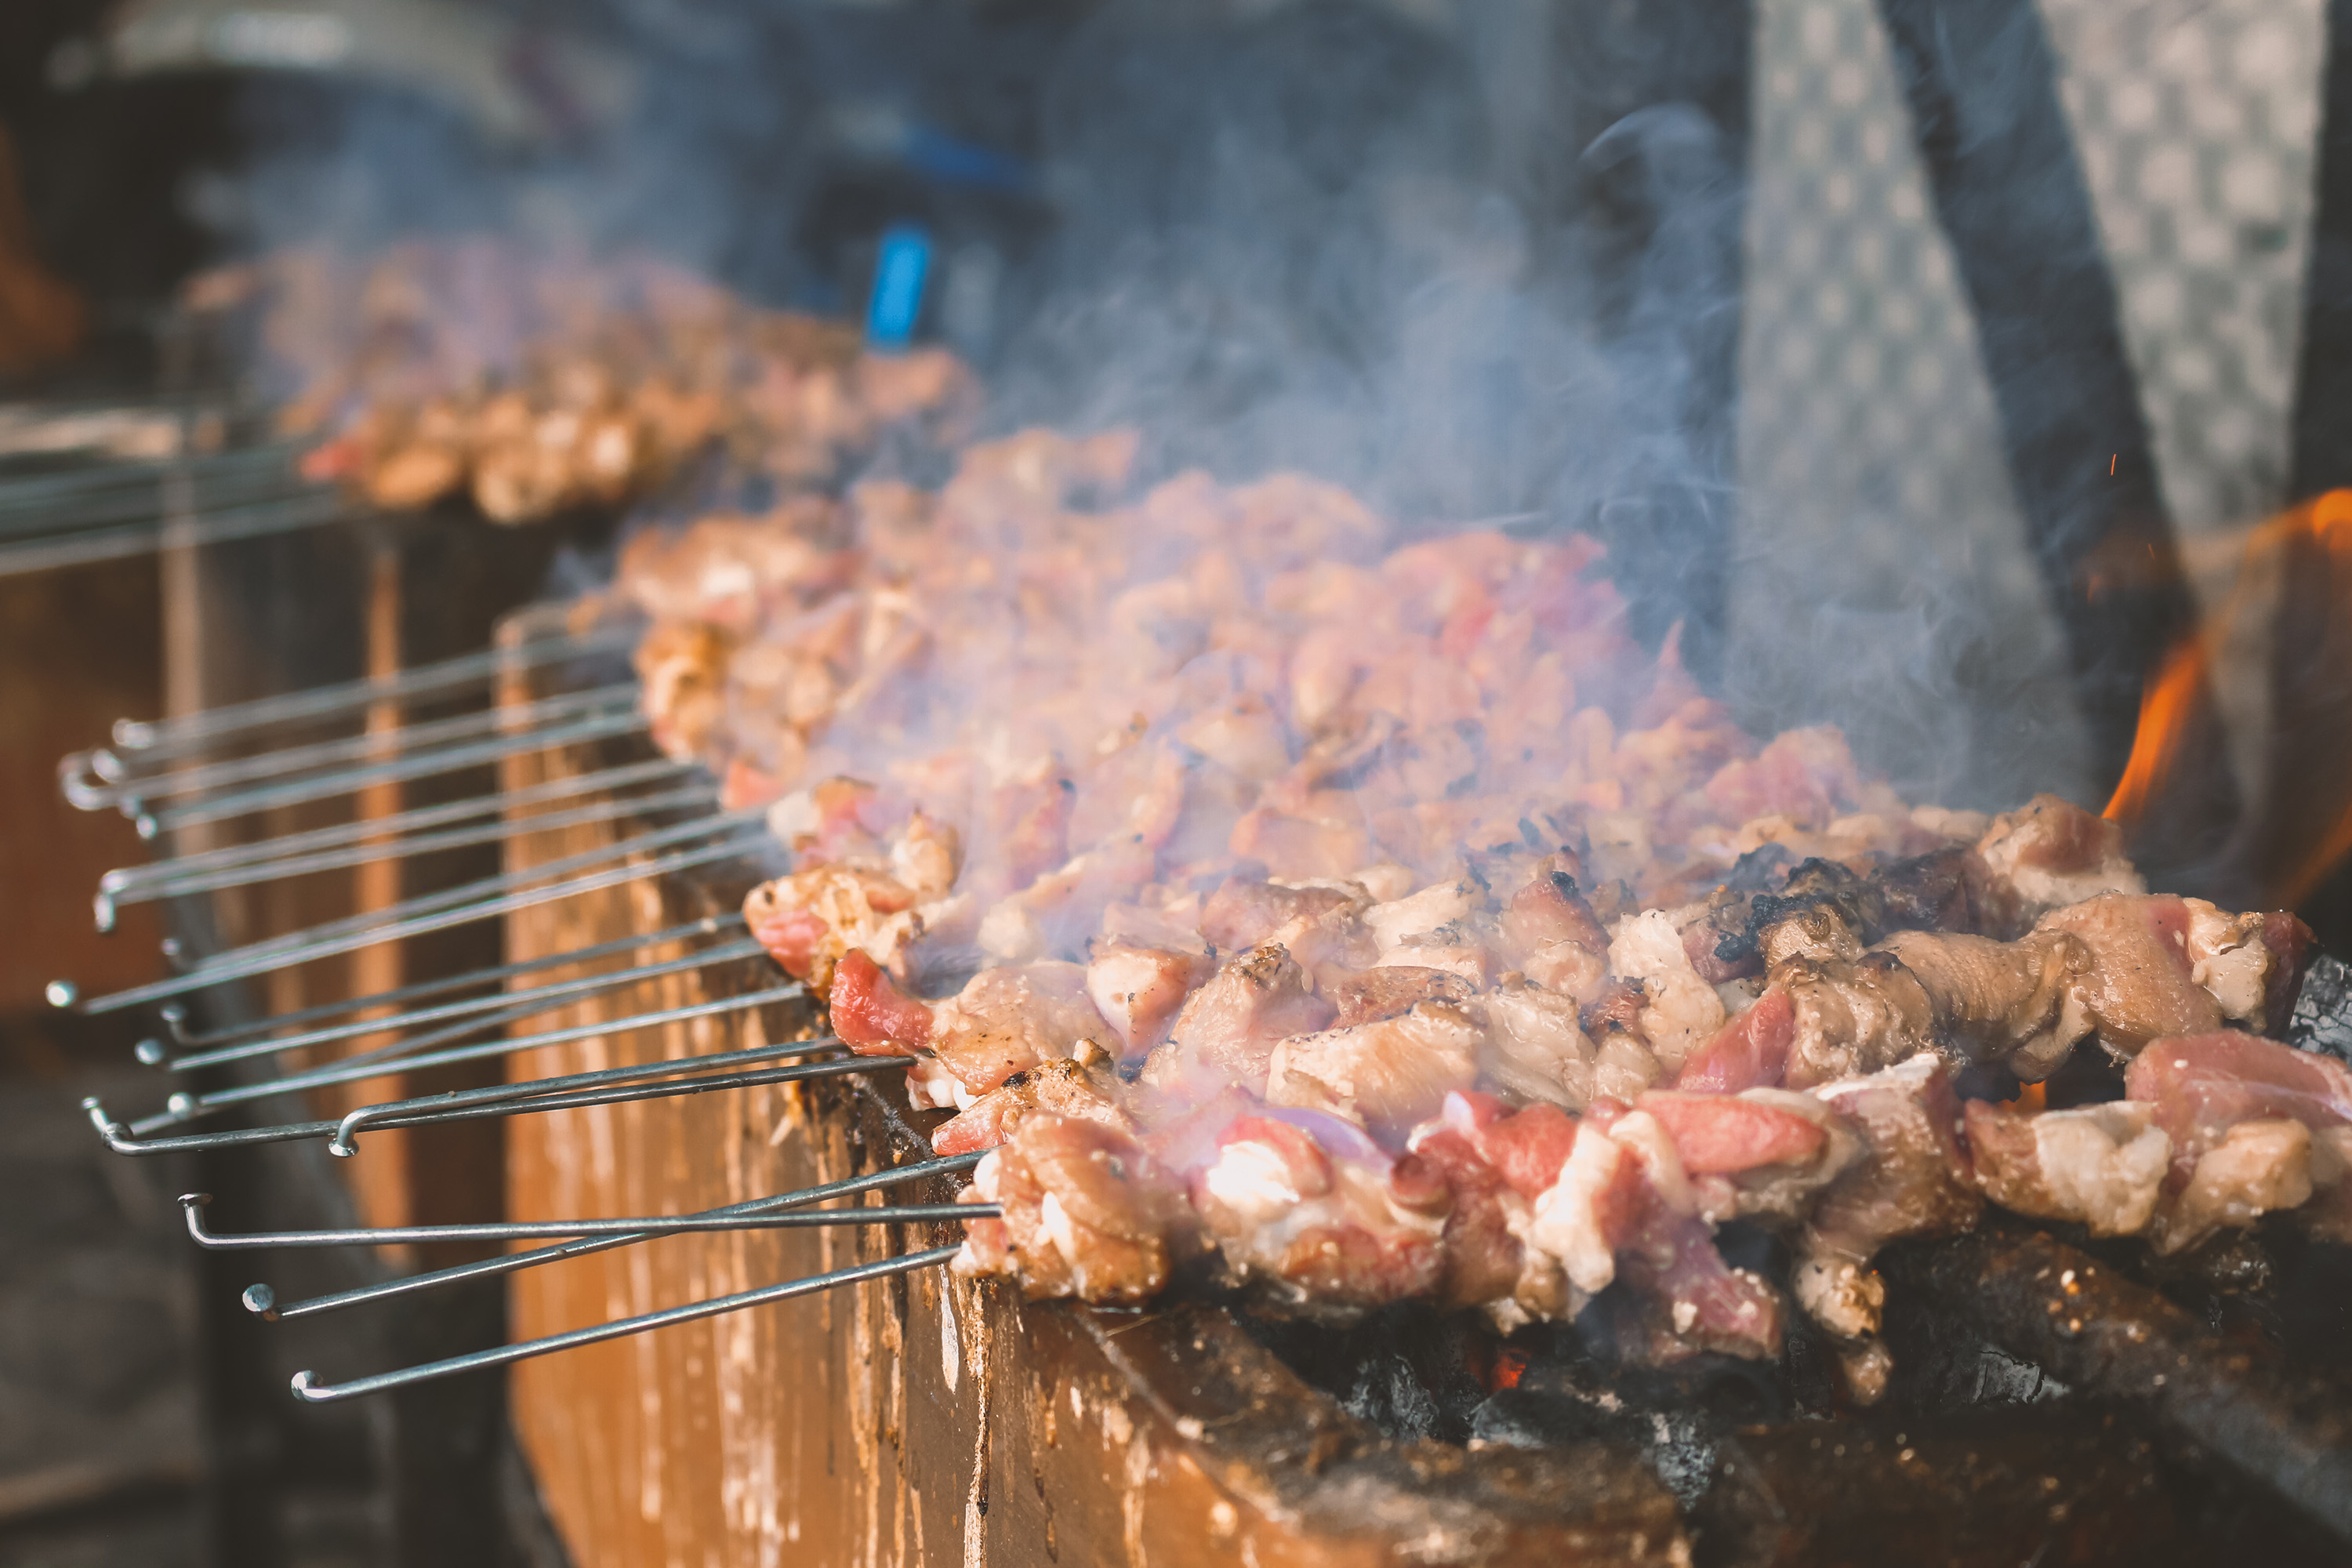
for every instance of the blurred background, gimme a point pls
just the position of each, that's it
(1930, 365)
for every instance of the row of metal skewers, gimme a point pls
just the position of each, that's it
(214, 767)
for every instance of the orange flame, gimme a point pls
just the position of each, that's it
(2164, 712)
(2305, 817)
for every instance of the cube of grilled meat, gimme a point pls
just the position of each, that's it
(1682, 1298)
(1534, 1048)
(1914, 1180)
(1227, 1031)
(1850, 1018)
(1087, 1212)
(682, 666)
(2100, 1166)
(1548, 933)
(2046, 855)
(809, 920)
(1319, 1215)
(1322, 927)
(1140, 991)
(2163, 965)
(1680, 1011)
(1762, 1153)
(1751, 1051)
(1007, 1020)
(2018, 1004)
(1498, 1163)
(2241, 1113)
(1385, 1076)
(1084, 1088)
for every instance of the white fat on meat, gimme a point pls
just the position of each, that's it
(1681, 1011)
(2258, 1167)
(1387, 1075)
(2227, 956)
(2103, 1164)
(2100, 1166)
(1395, 922)
(1662, 1162)
(2049, 857)
(1534, 1048)
(1140, 990)
(1621, 1069)
(1568, 1221)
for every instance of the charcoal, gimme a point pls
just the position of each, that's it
(2322, 1020)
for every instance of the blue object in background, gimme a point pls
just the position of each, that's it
(898, 276)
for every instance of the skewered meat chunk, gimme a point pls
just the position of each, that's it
(1087, 1212)
(1006, 1020)
(808, 920)
(2165, 965)
(1387, 1075)
(1853, 1018)
(2046, 855)
(1228, 1029)
(1077, 1087)
(2240, 1113)
(1550, 933)
(2100, 1166)
(1914, 1180)
(1140, 990)
(1750, 1052)
(1764, 1153)
(1680, 1011)
(1534, 1048)
(1307, 1206)
(2018, 1004)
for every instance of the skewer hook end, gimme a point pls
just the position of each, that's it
(307, 1389)
(101, 911)
(62, 993)
(262, 1302)
(118, 1137)
(149, 1053)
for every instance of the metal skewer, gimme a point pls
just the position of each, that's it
(239, 964)
(174, 1014)
(639, 1226)
(261, 1299)
(185, 1107)
(119, 785)
(163, 737)
(505, 1005)
(107, 904)
(123, 1140)
(310, 1391)
(422, 764)
(627, 775)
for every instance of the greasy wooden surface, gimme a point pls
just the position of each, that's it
(929, 1420)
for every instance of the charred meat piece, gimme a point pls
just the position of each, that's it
(2016, 1003)
(1226, 1032)
(809, 920)
(2164, 965)
(1550, 933)
(1075, 1088)
(1391, 991)
(1680, 1011)
(1850, 1018)
(1751, 1051)
(1535, 1048)
(1762, 1153)
(1914, 1179)
(1087, 1212)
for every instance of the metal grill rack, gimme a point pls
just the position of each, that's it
(183, 779)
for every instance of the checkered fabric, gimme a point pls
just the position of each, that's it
(1873, 488)
(1872, 485)
(2197, 123)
